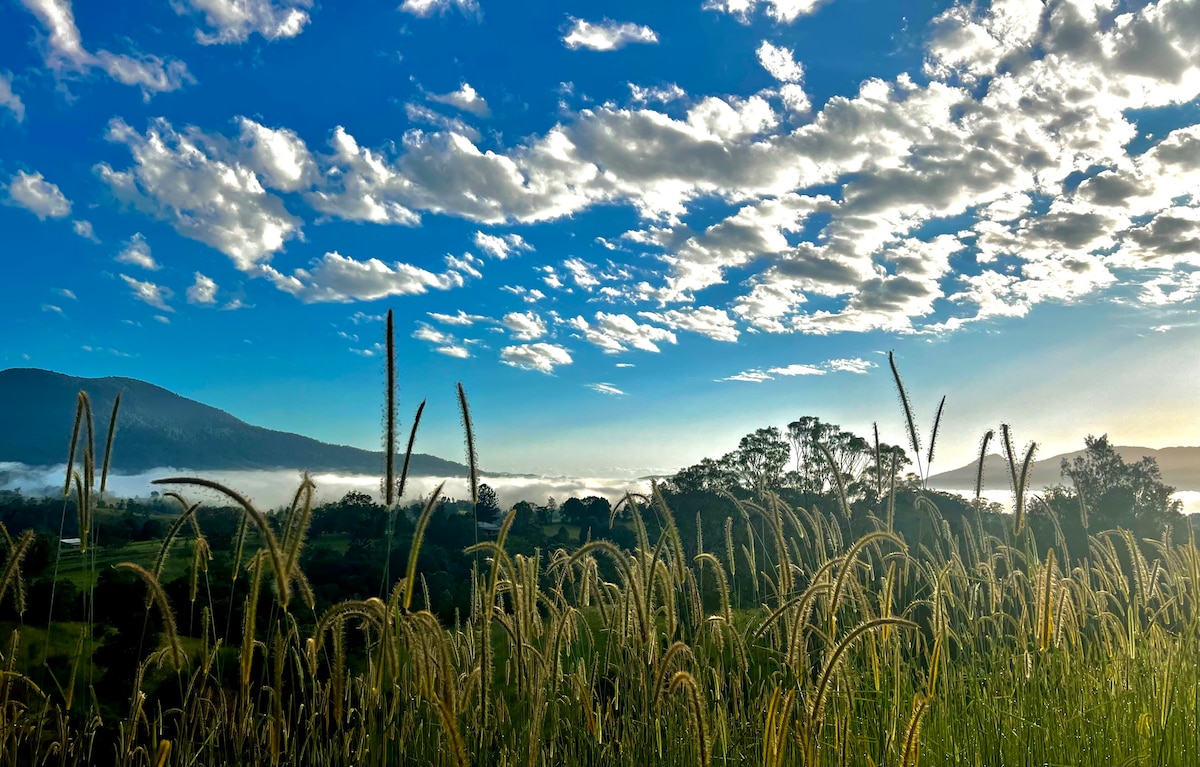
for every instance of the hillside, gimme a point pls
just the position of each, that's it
(158, 428)
(1180, 468)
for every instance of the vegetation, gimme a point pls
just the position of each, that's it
(837, 612)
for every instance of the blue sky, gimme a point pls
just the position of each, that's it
(634, 231)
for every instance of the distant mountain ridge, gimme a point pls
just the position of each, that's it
(1180, 468)
(158, 428)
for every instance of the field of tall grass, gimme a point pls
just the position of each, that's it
(978, 647)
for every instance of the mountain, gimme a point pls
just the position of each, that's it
(158, 428)
(1180, 468)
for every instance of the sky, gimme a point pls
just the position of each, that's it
(634, 231)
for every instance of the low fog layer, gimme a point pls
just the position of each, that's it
(270, 489)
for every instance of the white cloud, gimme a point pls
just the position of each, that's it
(663, 94)
(759, 375)
(529, 295)
(278, 156)
(541, 356)
(66, 293)
(501, 246)
(780, 63)
(360, 185)
(606, 35)
(443, 343)
(337, 278)
(233, 21)
(782, 11)
(706, 320)
(84, 230)
(65, 50)
(37, 195)
(460, 318)
(149, 293)
(419, 113)
(9, 100)
(581, 273)
(137, 252)
(53, 308)
(524, 326)
(615, 333)
(425, 8)
(203, 291)
(465, 98)
(605, 388)
(189, 181)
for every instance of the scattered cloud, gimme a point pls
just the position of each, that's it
(338, 278)
(185, 179)
(426, 8)
(443, 343)
(501, 246)
(458, 318)
(9, 100)
(465, 98)
(705, 320)
(758, 375)
(524, 326)
(234, 21)
(605, 388)
(541, 356)
(663, 94)
(52, 308)
(781, 11)
(137, 252)
(606, 35)
(66, 293)
(149, 293)
(781, 64)
(65, 52)
(615, 333)
(84, 230)
(37, 195)
(203, 291)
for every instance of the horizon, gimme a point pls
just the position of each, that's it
(634, 235)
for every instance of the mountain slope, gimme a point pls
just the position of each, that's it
(1180, 468)
(158, 428)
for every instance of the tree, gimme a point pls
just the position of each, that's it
(760, 458)
(708, 476)
(1115, 493)
(813, 473)
(488, 507)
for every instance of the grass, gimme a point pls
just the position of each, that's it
(976, 648)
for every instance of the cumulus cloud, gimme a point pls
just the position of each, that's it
(465, 98)
(524, 326)
(615, 333)
(149, 293)
(605, 388)
(84, 229)
(758, 375)
(9, 100)
(137, 253)
(425, 8)
(203, 291)
(606, 35)
(443, 343)
(188, 180)
(662, 94)
(459, 318)
(541, 356)
(705, 320)
(37, 195)
(501, 246)
(781, 64)
(338, 278)
(782, 11)
(233, 21)
(65, 51)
